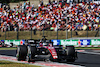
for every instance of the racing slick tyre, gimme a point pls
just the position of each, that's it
(31, 53)
(70, 53)
(21, 52)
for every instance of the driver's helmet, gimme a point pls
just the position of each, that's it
(43, 39)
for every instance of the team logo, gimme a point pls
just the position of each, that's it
(56, 42)
(22, 42)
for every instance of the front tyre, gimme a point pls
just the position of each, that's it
(21, 52)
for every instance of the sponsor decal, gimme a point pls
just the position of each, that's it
(30, 40)
(53, 52)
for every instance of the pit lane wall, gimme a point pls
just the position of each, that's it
(75, 42)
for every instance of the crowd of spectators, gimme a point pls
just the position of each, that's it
(51, 16)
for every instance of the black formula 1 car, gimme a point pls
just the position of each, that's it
(45, 50)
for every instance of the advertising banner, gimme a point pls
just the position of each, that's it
(2, 40)
(15, 42)
(84, 42)
(95, 41)
(68, 42)
(60, 42)
(56, 42)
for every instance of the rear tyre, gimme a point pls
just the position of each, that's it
(21, 52)
(70, 50)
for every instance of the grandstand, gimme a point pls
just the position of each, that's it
(51, 16)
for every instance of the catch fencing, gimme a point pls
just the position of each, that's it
(18, 35)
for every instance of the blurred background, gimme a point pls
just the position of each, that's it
(57, 19)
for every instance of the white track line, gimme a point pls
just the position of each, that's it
(91, 53)
(84, 51)
(43, 64)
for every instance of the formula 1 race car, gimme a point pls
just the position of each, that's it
(45, 50)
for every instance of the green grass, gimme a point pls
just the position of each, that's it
(13, 64)
(87, 47)
(11, 35)
(8, 48)
(75, 48)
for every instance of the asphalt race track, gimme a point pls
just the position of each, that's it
(84, 59)
(88, 60)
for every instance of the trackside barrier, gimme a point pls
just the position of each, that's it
(80, 42)
(14, 42)
(75, 42)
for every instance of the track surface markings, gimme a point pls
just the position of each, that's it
(80, 50)
(43, 64)
(89, 52)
